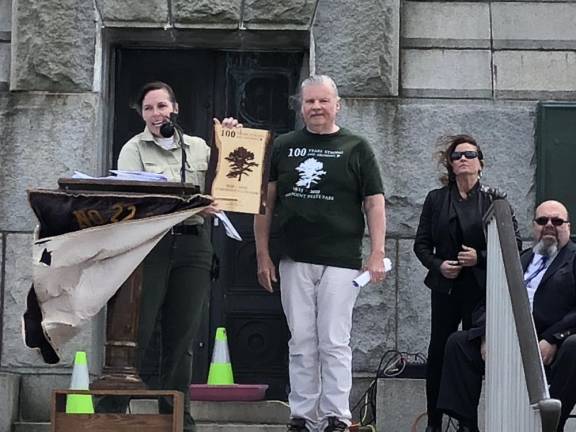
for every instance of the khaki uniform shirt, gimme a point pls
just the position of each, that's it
(143, 153)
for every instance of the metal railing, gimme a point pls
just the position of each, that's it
(516, 390)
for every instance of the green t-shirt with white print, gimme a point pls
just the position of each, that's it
(322, 181)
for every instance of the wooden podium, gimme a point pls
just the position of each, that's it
(120, 370)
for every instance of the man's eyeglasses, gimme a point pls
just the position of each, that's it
(543, 220)
(469, 154)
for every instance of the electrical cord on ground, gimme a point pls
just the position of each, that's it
(392, 363)
(283, 403)
(450, 426)
(414, 427)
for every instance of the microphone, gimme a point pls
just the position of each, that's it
(168, 129)
(169, 126)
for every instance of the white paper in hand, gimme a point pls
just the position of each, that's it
(230, 230)
(364, 278)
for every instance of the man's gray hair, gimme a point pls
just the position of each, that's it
(319, 79)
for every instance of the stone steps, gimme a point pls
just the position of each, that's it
(261, 412)
(203, 427)
(9, 395)
(31, 427)
(399, 403)
(263, 416)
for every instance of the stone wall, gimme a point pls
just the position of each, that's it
(450, 67)
(503, 50)
(404, 133)
(5, 36)
(49, 126)
(357, 43)
(30, 125)
(209, 14)
(408, 72)
(53, 105)
(54, 46)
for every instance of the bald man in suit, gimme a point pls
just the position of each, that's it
(550, 280)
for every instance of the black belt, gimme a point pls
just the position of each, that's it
(185, 230)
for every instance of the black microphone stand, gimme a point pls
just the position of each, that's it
(178, 130)
(167, 130)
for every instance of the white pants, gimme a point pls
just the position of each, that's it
(318, 302)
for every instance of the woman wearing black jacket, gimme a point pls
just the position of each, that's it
(451, 244)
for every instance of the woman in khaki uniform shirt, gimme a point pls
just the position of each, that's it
(177, 272)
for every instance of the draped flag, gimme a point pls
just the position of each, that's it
(86, 246)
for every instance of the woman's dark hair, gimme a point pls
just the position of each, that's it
(146, 88)
(447, 144)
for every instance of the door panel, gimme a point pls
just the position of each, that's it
(257, 330)
(556, 152)
(189, 72)
(261, 86)
(259, 89)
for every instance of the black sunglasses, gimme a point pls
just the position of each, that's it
(468, 154)
(556, 221)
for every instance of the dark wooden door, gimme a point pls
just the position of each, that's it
(191, 73)
(256, 88)
(556, 152)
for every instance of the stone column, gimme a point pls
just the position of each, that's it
(357, 43)
(53, 45)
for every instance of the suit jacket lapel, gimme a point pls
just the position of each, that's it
(526, 259)
(563, 254)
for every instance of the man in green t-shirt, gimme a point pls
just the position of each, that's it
(323, 181)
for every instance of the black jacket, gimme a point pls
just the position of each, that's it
(554, 307)
(437, 234)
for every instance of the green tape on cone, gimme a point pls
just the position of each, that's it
(79, 404)
(221, 334)
(80, 358)
(220, 374)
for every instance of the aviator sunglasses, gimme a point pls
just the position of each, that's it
(543, 220)
(468, 154)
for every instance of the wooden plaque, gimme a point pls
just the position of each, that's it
(238, 174)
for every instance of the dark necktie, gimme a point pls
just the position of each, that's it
(539, 269)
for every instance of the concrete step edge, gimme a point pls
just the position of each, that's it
(202, 427)
(9, 398)
(260, 412)
(25, 423)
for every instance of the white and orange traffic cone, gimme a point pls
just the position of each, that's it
(79, 403)
(220, 368)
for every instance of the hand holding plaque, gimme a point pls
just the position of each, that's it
(238, 175)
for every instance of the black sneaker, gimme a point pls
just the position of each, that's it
(297, 425)
(335, 425)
